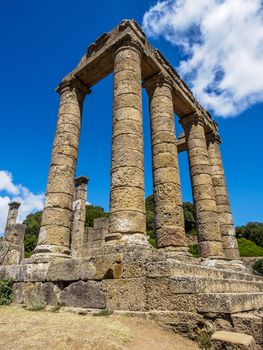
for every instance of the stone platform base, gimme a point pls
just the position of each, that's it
(182, 294)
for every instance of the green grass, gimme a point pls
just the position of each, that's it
(249, 248)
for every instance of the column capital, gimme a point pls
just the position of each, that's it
(190, 119)
(81, 180)
(214, 138)
(159, 79)
(129, 43)
(74, 83)
(14, 205)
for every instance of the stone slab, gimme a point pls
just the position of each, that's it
(232, 341)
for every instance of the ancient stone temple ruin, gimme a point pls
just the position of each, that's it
(111, 265)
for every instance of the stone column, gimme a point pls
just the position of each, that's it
(168, 206)
(54, 236)
(79, 214)
(209, 237)
(222, 200)
(127, 206)
(12, 214)
(12, 245)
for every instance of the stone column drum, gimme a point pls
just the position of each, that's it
(127, 206)
(79, 213)
(222, 200)
(209, 237)
(54, 236)
(168, 206)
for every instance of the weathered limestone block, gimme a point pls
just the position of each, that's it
(54, 236)
(209, 235)
(125, 294)
(168, 210)
(71, 270)
(249, 324)
(222, 200)
(41, 293)
(127, 209)
(84, 294)
(222, 324)
(108, 266)
(32, 272)
(79, 213)
(232, 341)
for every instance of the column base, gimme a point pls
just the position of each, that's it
(140, 239)
(46, 253)
(45, 258)
(177, 253)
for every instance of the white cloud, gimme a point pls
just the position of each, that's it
(223, 44)
(6, 182)
(9, 191)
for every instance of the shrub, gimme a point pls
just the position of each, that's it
(193, 249)
(36, 303)
(6, 291)
(204, 340)
(258, 267)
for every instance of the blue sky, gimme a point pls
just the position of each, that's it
(43, 41)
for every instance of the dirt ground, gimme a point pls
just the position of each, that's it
(29, 330)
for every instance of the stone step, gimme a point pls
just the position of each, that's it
(173, 268)
(220, 302)
(197, 284)
(167, 294)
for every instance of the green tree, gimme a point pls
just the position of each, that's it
(252, 231)
(189, 218)
(94, 212)
(32, 223)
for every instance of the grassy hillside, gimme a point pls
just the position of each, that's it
(249, 248)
